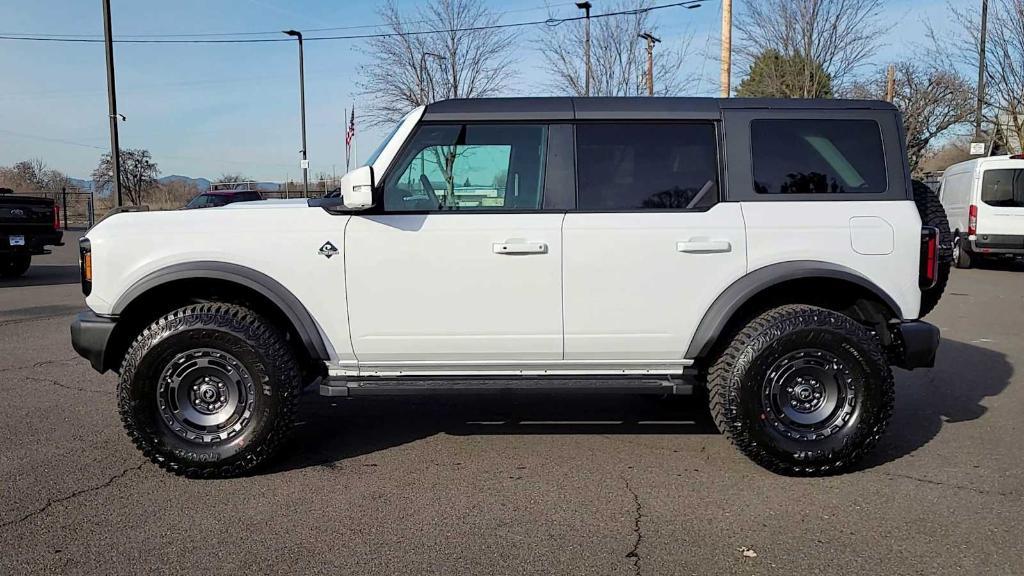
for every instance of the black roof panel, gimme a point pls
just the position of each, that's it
(603, 108)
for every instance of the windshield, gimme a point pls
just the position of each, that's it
(380, 147)
(1003, 188)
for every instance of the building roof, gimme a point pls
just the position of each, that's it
(604, 108)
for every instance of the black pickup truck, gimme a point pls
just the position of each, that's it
(28, 225)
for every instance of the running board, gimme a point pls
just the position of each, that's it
(379, 386)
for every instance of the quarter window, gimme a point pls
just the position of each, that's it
(817, 157)
(646, 166)
(470, 167)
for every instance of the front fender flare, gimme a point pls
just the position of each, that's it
(272, 290)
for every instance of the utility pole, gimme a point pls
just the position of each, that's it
(890, 82)
(302, 105)
(651, 41)
(981, 71)
(115, 148)
(726, 48)
(586, 6)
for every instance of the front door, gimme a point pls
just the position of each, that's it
(650, 247)
(462, 270)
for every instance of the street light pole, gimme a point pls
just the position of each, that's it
(586, 6)
(302, 106)
(115, 149)
(428, 97)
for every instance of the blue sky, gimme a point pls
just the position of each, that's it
(203, 109)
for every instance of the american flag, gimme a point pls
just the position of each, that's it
(350, 133)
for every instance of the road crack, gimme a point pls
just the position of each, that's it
(59, 384)
(638, 514)
(38, 364)
(53, 501)
(952, 485)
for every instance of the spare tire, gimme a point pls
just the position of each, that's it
(933, 214)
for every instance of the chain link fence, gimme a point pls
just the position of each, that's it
(77, 206)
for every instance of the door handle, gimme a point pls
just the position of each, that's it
(703, 246)
(519, 247)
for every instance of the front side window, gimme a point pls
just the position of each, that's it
(1003, 188)
(817, 157)
(470, 167)
(622, 166)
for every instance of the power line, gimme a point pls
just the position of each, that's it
(263, 33)
(549, 22)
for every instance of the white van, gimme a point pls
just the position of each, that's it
(984, 200)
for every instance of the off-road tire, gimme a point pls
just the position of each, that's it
(963, 256)
(933, 214)
(743, 412)
(270, 389)
(14, 265)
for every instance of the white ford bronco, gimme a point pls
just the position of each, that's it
(772, 255)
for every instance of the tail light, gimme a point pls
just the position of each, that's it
(56, 216)
(929, 273)
(85, 263)
(972, 221)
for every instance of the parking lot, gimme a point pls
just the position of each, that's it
(516, 484)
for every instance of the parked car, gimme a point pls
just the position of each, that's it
(28, 224)
(222, 196)
(770, 253)
(984, 200)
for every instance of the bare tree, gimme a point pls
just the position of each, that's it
(232, 178)
(618, 55)
(33, 175)
(932, 99)
(834, 37)
(1003, 108)
(411, 68)
(138, 174)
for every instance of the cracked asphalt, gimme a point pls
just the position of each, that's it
(514, 485)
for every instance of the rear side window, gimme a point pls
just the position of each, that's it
(1003, 188)
(817, 157)
(624, 166)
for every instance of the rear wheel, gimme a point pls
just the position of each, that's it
(15, 265)
(802, 390)
(933, 214)
(209, 390)
(961, 257)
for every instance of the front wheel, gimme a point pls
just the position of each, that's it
(802, 390)
(209, 390)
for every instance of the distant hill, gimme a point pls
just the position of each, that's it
(201, 183)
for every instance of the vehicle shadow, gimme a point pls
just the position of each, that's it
(45, 275)
(1001, 264)
(950, 393)
(331, 430)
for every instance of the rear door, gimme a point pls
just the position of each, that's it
(1001, 203)
(650, 247)
(462, 266)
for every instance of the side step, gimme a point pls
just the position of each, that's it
(380, 386)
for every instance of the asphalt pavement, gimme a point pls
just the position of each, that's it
(514, 485)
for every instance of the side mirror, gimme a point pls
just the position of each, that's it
(357, 188)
